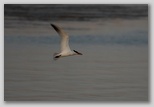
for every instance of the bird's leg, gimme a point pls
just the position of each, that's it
(56, 57)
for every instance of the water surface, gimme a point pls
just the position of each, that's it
(113, 40)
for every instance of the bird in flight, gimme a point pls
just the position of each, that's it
(65, 49)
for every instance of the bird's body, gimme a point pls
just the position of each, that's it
(65, 49)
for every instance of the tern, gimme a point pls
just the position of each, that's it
(65, 49)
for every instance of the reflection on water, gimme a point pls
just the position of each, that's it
(128, 39)
(112, 38)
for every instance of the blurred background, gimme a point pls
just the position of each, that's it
(112, 37)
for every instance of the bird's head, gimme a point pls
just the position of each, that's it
(78, 53)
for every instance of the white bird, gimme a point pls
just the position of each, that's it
(65, 49)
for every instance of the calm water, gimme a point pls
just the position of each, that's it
(103, 73)
(113, 67)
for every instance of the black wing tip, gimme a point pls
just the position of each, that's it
(55, 27)
(52, 25)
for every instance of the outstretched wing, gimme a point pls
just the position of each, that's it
(64, 38)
